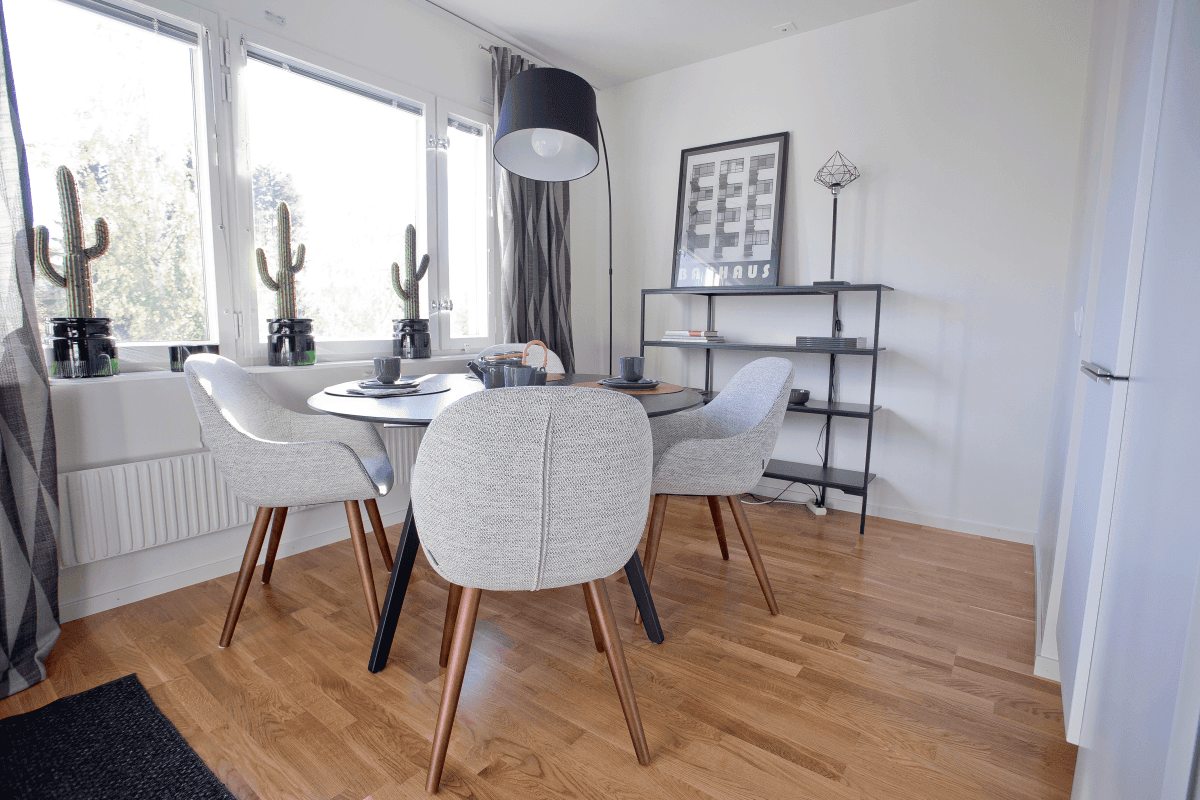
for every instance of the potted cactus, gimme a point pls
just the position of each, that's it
(81, 345)
(290, 341)
(410, 334)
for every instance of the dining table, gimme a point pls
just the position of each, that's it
(436, 393)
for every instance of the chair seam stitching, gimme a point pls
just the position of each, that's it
(545, 532)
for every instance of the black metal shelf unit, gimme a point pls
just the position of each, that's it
(820, 475)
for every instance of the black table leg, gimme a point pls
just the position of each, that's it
(641, 593)
(406, 555)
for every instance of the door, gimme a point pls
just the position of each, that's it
(1111, 313)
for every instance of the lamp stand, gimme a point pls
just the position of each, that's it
(608, 180)
(832, 248)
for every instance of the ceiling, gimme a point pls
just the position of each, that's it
(610, 42)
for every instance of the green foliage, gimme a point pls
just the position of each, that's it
(410, 289)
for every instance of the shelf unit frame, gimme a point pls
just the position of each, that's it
(823, 476)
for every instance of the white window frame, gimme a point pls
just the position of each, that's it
(435, 113)
(214, 251)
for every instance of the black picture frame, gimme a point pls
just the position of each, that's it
(747, 255)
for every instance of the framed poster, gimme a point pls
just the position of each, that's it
(730, 213)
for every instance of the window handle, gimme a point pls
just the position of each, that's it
(1099, 373)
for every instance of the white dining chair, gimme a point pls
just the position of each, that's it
(275, 458)
(554, 493)
(553, 362)
(721, 451)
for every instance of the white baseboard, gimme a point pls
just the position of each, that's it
(103, 585)
(1046, 668)
(770, 487)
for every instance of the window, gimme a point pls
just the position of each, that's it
(762, 187)
(727, 239)
(702, 194)
(758, 237)
(703, 170)
(701, 217)
(464, 319)
(733, 165)
(351, 169)
(110, 96)
(186, 142)
(762, 162)
(762, 212)
(732, 190)
(697, 241)
(729, 215)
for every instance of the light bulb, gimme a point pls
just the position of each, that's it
(546, 142)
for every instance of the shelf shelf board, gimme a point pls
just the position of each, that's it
(850, 481)
(767, 348)
(721, 291)
(823, 407)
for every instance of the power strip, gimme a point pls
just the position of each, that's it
(817, 510)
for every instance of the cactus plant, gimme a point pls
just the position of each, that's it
(410, 290)
(285, 281)
(76, 277)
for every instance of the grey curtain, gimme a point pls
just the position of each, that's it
(533, 218)
(28, 469)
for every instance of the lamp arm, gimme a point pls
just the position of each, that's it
(608, 180)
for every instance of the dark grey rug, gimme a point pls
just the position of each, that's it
(108, 743)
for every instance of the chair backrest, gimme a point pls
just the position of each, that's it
(755, 399)
(553, 362)
(227, 398)
(532, 488)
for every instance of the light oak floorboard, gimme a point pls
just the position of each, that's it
(900, 666)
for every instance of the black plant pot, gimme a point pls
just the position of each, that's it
(290, 343)
(410, 338)
(180, 352)
(82, 347)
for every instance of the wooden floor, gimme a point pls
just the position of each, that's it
(900, 667)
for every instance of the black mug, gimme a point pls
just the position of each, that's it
(631, 368)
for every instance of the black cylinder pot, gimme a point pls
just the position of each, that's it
(290, 343)
(82, 347)
(410, 338)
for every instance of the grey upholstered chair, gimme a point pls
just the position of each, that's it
(553, 362)
(721, 450)
(274, 458)
(554, 493)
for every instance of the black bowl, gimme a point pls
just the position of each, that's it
(799, 397)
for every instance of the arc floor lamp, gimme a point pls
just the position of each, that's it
(548, 131)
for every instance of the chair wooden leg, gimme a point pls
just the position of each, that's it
(743, 524)
(597, 634)
(464, 629)
(273, 542)
(253, 548)
(359, 538)
(453, 599)
(658, 510)
(714, 506)
(597, 597)
(380, 536)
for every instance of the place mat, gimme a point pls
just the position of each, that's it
(351, 389)
(110, 741)
(662, 388)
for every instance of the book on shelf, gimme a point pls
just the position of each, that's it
(713, 339)
(674, 334)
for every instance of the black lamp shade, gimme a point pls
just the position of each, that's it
(548, 104)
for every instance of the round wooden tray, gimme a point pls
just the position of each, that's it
(662, 388)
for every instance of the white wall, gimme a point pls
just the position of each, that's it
(965, 119)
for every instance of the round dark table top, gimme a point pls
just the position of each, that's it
(421, 409)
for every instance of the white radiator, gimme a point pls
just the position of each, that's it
(108, 511)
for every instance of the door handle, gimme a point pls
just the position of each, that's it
(1099, 373)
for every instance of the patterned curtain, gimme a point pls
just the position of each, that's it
(533, 218)
(28, 469)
